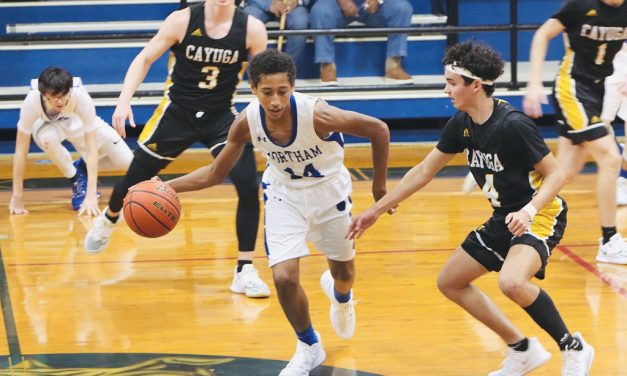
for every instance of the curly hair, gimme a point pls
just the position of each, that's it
(55, 80)
(480, 59)
(271, 62)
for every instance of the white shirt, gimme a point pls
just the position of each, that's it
(79, 104)
(307, 159)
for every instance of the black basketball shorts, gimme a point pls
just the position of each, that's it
(174, 128)
(490, 243)
(578, 105)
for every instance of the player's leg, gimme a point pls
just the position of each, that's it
(579, 105)
(286, 242)
(612, 247)
(328, 236)
(484, 250)
(49, 137)
(166, 135)
(528, 258)
(113, 152)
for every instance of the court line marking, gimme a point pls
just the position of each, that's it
(604, 277)
(15, 353)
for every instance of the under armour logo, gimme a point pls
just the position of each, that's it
(260, 139)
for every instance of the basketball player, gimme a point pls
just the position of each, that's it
(58, 108)
(306, 191)
(594, 32)
(521, 179)
(615, 104)
(210, 42)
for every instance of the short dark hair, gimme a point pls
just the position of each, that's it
(271, 62)
(55, 80)
(480, 59)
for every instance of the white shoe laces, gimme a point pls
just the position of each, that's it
(303, 358)
(250, 278)
(515, 361)
(347, 310)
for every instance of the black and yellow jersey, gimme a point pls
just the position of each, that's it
(595, 32)
(206, 70)
(501, 154)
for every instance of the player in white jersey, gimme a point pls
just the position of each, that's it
(306, 192)
(615, 104)
(59, 108)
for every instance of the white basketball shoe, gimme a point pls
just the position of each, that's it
(578, 363)
(614, 251)
(305, 358)
(248, 282)
(342, 314)
(99, 235)
(519, 363)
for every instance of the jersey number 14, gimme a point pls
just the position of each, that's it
(308, 172)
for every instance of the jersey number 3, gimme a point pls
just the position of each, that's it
(211, 80)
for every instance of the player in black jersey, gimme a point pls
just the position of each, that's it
(521, 179)
(210, 42)
(594, 32)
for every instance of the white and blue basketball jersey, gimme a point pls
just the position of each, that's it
(306, 160)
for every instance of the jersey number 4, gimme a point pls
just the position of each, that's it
(211, 80)
(308, 172)
(490, 192)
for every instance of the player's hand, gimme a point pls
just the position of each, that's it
(118, 121)
(349, 9)
(518, 222)
(89, 207)
(469, 184)
(16, 206)
(361, 223)
(533, 100)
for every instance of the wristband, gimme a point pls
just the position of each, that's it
(531, 210)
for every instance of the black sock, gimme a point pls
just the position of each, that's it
(546, 315)
(608, 232)
(570, 343)
(241, 263)
(112, 219)
(521, 345)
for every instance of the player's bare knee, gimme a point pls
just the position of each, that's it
(285, 281)
(447, 286)
(510, 286)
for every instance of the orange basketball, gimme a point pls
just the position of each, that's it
(151, 208)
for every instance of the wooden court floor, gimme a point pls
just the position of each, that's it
(163, 306)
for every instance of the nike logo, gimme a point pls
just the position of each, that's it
(115, 142)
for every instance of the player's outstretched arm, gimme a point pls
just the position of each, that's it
(168, 35)
(535, 97)
(329, 119)
(414, 180)
(90, 204)
(22, 143)
(216, 172)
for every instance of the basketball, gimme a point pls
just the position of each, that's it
(151, 208)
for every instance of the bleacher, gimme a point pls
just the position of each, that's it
(97, 40)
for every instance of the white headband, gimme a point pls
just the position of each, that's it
(466, 73)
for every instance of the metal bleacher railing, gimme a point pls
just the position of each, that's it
(35, 36)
